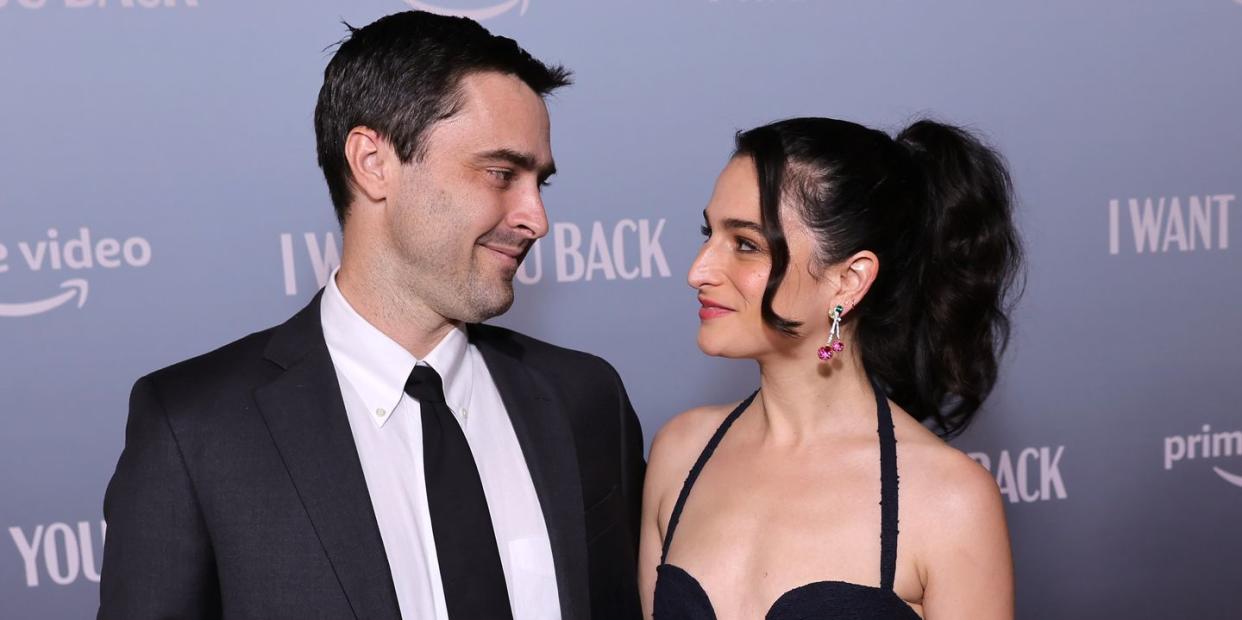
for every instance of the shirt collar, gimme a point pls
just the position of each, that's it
(377, 367)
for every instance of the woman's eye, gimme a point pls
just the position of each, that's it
(744, 245)
(707, 232)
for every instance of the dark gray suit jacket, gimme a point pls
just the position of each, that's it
(239, 493)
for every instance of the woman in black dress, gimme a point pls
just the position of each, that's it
(868, 276)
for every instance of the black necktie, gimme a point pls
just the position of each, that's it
(470, 569)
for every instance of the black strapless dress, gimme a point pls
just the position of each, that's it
(679, 596)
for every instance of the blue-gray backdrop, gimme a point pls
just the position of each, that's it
(159, 197)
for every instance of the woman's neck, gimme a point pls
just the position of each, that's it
(805, 399)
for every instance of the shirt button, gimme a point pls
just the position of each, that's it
(380, 413)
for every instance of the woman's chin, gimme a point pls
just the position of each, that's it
(708, 345)
(716, 348)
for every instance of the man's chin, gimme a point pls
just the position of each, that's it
(490, 307)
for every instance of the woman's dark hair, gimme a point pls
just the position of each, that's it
(400, 75)
(935, 206)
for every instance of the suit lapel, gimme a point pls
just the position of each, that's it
(547, 441)
(306, 417)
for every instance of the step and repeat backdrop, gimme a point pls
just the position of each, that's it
(159, 197)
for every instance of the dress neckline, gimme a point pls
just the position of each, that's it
(793, 596)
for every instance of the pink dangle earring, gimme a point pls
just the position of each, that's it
(834, 336)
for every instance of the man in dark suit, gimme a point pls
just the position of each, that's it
(382, 453)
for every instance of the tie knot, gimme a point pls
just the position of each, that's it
(424, 384)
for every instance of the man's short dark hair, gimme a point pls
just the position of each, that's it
(402, 74)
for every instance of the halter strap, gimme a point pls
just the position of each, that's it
(888, 489)
(697, 469)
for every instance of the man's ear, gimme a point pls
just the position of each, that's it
(371, 160)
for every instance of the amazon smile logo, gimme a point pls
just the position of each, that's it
(1206, 446)
(475, 12)
(73, 256)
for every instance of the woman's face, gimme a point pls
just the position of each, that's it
(731, 272)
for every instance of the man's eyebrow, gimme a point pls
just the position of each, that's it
(525, 161)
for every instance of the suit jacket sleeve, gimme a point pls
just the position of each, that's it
(158, 561)
(633, 466)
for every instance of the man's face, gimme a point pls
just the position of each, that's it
(465, 215)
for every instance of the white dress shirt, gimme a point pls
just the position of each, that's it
(372, 369)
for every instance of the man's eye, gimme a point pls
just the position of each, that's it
(707, 232)
(501, 174)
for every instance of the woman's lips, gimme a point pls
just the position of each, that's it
(706, 313)
(711, 310)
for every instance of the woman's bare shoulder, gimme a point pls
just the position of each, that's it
(945, 495)
(688, 432)
(953, 518)
(679, 442)
(939, 472)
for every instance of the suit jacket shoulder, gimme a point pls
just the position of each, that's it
(224, 368)
(231, 373)
(560, 365)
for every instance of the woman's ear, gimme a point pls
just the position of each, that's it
(857, 274)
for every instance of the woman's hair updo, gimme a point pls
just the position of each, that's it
(935, 206)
